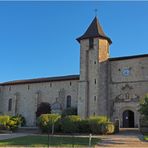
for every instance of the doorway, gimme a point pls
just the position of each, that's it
(128, 119)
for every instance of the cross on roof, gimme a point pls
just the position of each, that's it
(96, 11)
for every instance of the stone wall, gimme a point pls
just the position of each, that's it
(93, 78)
(128, 83)
(28, 96)
(1, 99)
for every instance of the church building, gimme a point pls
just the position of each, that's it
(106, 86)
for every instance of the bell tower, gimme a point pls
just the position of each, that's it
(94, 54)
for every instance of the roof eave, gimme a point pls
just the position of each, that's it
(98, 36)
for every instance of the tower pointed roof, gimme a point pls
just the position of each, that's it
(94, 30)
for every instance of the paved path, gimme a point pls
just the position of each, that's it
(126, 138)
(12, 135)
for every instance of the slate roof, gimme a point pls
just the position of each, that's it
(94, 30)
(41, 80)
(128, 57)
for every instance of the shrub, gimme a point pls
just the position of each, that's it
(22, 119)
(9, 122)
(45, 121)
(84, 126)
(144, 106)
(12, 125)
(4, 121)
(69, 111)
(107, 128)
(143, 121)
(99, 119)
(70, 124)
(58, 125)
(116, 124)
(15, 122)
(96, 122)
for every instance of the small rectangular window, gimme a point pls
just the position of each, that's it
(10, 105)
(10, 88)
(95, 81)
(50, 84)
(94, 98)
(91, 43)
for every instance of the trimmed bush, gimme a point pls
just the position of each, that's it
(45, 122)
(70, 124)
(58, 125)
(107, 128)
(73, 124)
(84, 126)
(99, 119)
(3, 122)
(96, 122)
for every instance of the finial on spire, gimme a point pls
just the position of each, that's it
(96, 11)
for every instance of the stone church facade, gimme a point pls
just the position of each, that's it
(105, 86)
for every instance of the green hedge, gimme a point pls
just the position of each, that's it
(70, 124)
(96, 123)
(84, 126)
(73, 124)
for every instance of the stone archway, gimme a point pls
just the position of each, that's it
(128, 119)
(124, 107)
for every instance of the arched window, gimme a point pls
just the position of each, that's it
(68, 102)
(10, 105)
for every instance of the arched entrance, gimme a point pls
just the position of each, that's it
(128, 119)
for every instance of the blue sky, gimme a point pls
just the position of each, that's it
(37, 39)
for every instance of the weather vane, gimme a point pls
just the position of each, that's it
(96, 10)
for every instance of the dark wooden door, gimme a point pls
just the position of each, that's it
(128, 119)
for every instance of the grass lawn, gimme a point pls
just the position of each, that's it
(42, 141)
(146, 137)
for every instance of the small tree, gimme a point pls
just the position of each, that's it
(44, 108)
(47, 121)
(144, 106)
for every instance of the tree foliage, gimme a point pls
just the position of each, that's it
(44, 108)
(144, 106)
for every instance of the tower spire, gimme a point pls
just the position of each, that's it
(93, 31)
